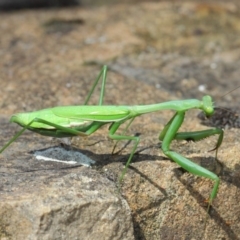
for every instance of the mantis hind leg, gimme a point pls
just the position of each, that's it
(62, 131)
(168, 135)
(58, 131)
(113, 128)
(102, 74)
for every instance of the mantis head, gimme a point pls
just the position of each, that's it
(207, 105)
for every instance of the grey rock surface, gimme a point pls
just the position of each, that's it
(79, 205)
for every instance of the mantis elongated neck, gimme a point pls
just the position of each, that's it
(181, 105)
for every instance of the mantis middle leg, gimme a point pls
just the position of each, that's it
(113, 128)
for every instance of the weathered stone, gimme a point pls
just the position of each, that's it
(79, 205)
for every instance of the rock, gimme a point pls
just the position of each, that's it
(79, 205)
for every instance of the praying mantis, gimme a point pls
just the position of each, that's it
(70, 121)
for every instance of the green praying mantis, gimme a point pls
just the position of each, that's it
(70, 121)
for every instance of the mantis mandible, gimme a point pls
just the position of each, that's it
(70, 121)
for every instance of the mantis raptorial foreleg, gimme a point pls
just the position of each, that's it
(169, 133)
(199, 135)
(194, 136)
